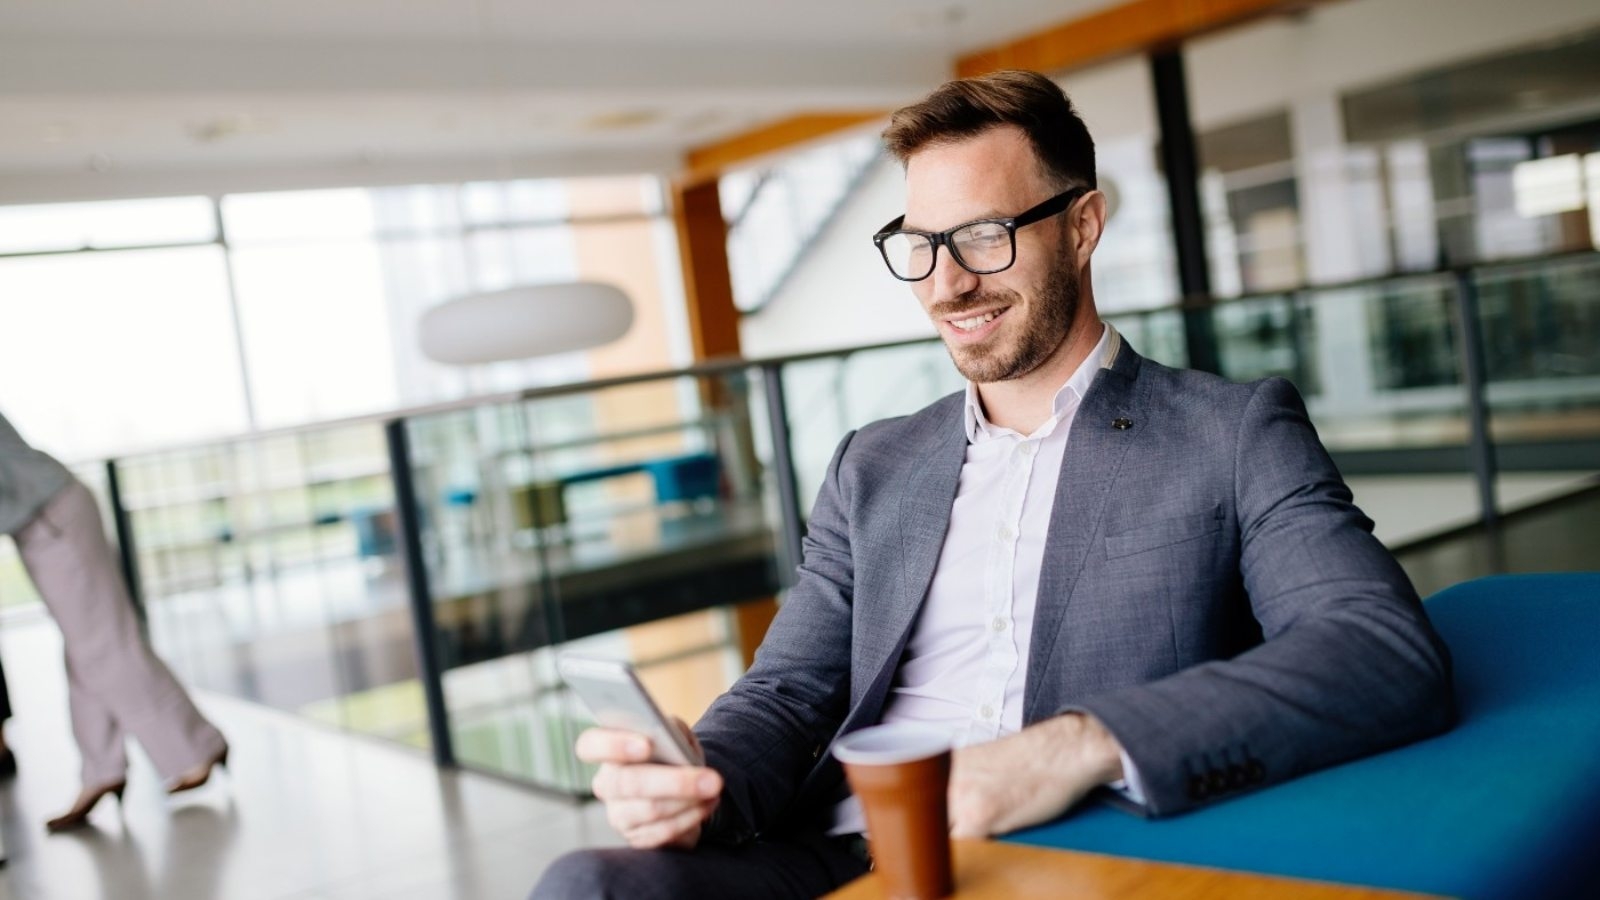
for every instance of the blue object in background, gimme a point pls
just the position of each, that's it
(375, 531)
(685, 477)
(1506, 805)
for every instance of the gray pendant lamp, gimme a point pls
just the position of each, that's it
(523, 322)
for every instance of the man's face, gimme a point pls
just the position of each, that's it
(1001, 326)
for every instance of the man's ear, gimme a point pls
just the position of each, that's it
(1088, 221)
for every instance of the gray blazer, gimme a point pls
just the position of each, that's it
(1209, 593)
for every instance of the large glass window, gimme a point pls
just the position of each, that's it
(117, 318)
(108, 350)
(106, 225)
(312, 307)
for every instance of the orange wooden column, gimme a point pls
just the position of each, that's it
(707, 284)
(714, 332)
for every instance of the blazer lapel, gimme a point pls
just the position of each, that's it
(927, 492)
(1095, 449)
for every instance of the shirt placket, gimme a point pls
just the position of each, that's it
(1000, 652)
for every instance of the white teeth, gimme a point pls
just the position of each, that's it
(975, 321)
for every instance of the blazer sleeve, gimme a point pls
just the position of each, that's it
(767, 731)
(1349, 664)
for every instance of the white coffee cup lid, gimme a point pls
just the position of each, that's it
(883, 745)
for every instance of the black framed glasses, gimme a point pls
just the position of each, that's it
(982, 247)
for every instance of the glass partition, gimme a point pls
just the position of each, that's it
(1541, 335)
(269, 570)
(830, 396)
(625, 521)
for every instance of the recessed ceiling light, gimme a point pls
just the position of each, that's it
(619, 120)
(221, 128)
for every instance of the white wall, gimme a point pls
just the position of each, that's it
(843, 296)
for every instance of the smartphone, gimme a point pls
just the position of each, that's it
(613, 693)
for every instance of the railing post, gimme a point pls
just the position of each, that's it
(1297, 341)
(419, 592)
(1180, 161)
(1474, 377)
(122, 523)
(790, 552)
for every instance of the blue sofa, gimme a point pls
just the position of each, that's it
(1506, 805)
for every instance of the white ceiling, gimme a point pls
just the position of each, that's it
(113, 98)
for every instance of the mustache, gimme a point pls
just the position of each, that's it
(973, 301)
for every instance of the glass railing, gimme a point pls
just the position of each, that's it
(656, 517)
(629, 520)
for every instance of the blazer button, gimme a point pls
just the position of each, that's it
(1197, 787)
(1237, 777)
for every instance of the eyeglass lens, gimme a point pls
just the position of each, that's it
(981, 247)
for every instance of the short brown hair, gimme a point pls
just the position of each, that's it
(970, 106)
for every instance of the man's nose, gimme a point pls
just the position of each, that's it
(949, 279)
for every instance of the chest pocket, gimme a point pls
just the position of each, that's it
(1165, 532)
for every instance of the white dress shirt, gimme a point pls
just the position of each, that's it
(966, 664)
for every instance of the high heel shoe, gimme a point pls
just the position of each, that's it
(198, 775)
(78, 815)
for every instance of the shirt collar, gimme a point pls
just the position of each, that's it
(1072, 393)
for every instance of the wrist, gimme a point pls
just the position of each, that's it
(1097, 749)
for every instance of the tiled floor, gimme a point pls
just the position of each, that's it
(305, 812)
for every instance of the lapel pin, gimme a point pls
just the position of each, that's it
(1121, 424)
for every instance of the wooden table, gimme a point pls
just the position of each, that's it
(993, 869)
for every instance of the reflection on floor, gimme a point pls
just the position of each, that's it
(1407, 508)
(307, 813)
(1559, 536)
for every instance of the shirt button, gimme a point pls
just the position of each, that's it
(1025, 449)
(999, 624)
(987, 711)
(1005, 532)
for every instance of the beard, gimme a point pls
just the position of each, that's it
(1036, 336)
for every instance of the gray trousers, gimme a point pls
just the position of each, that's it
(800, 867)
(115, 684)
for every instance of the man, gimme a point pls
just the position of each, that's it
(1093, 570)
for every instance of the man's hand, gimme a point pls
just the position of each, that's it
(1031, 776)
(650, 805)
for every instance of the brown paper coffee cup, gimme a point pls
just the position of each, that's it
(900, 773)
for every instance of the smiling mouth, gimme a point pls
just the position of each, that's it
(973, 323)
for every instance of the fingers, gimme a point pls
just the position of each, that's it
(610, 745)
(649, 805)
(629, 815)
(653, 782)
(681, 829)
